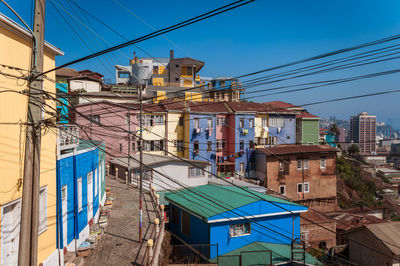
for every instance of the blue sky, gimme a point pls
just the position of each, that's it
(259, 35)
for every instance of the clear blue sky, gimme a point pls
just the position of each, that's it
(260, 35)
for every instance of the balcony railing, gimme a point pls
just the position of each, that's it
(68, 137)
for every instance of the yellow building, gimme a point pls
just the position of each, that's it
(175, 125)
(261, 129)
(16, 48)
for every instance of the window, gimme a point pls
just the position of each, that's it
(124, 75)
(196, 147)
(133, 146)
(282, 190)
(239, 229)
(264, 122)
(304, 236)
(241, 122)
(120, 147)
(179, 145)
(271, 140)
(281, 167)
(174, 215)
(159, 119)
(306, 187)
(79, 194)
(299, 187)
(305, 163)
(276, 122)
(251, 122)
(185, 223)
(220, 121)
(127, 119)
(63, 193)
(196, 172)
(251, 144)
(209, 123)
(94, 119)
(209, 146)
(298, 164)
(241, 145)
(288, 137)
(322, 163)
(221, 144)
(155, 69)
(196, 123)
(189, 71)
(180, 123)
(42, 210)
(241, 169)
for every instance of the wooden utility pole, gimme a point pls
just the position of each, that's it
(28, 243)
(129, 147)
(141, 166)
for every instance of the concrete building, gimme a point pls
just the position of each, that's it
(16, 49)
(181, 171)
(197, 220)
(363, 132)
(303, 173)
(375, 244)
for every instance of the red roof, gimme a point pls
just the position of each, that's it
(306, 115)
(282, 104)
(348, 221)
(198, 107)
(295, 148)
(314, 216)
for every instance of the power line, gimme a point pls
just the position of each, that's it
(182, 24)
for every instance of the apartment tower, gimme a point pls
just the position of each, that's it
(363, 132)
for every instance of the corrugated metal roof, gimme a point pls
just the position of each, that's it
(388, 233)
(67, 72)
(281, 254)
(237, 197)
(295, 148)
(151, 160)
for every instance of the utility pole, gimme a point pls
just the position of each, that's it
(141, 166)
(28, 243)
(129, 147)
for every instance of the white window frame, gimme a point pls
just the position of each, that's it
(196, 172)
(284, 189)
(306, 185)
(322, 162)
(302, 188)
(79, 185)
(42, 210)
(299, 163)
(251, 122)
(264, 122)
(241, 122)
(209, 123)
(305, 164)
(196, 123)
(96, 181)
(233, 230)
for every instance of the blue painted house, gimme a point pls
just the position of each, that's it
(80, 178)
(244, 142)
(229, 218)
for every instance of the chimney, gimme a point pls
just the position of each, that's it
(171, 54)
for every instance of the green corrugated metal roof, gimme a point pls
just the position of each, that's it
(281, 253)
(236, 197)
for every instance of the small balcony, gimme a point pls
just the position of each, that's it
(68, 137)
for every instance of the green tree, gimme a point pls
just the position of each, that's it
(335, 129)
(353, 149)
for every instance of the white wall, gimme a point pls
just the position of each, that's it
(179, 172)
(87, 85)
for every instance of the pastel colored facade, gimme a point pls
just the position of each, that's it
(98, 121)
(196, 220)
(16, 45)
(80, 193)
(307, 129)
(199, 137)
(282, 129)
(84, 84)
(244, 143)
(174, 126)
(303, 173)
(225, 137)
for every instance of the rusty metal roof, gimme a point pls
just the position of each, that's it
(295, 148)
(388, 233)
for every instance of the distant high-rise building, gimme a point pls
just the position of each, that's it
(363, 131)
